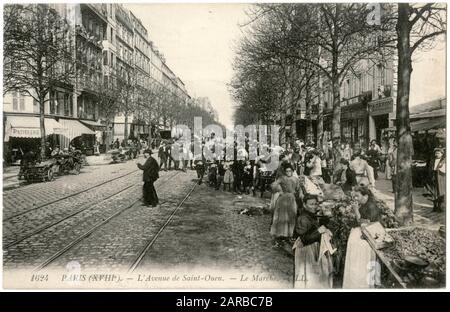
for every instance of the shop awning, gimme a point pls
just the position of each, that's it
(425, 124)
(432, 114)
(29, 127)
(74, 128)
(94, 125)
(428, 124)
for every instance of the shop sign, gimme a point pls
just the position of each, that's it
(353, 114)
(381, 107)
(25, 133)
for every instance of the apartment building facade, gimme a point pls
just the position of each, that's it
(109, 43)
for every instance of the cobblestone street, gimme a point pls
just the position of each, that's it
(97, 221)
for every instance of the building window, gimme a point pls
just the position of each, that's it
(66, 105)
(61, 103)
(52, 102)
(105, 57)
(71, 105)
(22, 103)
(15, 101)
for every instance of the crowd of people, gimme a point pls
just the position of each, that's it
(296, 195)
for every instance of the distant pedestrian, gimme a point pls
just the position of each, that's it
(220, 174)
(346, 177)
(238, 171)
(248, 177)
(363, 171)
(228, 178)
(162, 157)
(392, 162)
(151, 174)
(348, 152)
(200, 168)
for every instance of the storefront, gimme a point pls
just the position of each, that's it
(354, 125)
(23, 134)
(100, 133)
(379, 111)
(77, 134)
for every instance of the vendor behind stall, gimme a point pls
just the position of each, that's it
(362, 269)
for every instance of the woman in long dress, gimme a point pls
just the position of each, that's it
(362, 268)
(364, 173)
(285, 206)
(439, 175)
(313, 250)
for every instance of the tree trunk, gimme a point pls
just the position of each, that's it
(336, 128)
(320, 116)
(125, 130)
(108, 136)
(150, 135)
(309, 129)
(403, 195)
(42, 124)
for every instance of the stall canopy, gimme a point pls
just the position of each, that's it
(428, 124)
(74, 128)
(29, 127)
(425, 124)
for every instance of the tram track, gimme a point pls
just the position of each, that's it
(150, 243)
(67, 196)
(95, 227)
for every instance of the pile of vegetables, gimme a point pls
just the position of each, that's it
(420, 242)
(388, 219)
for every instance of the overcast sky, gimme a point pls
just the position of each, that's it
(198, 39)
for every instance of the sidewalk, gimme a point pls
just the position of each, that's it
(423, 207)
(11, 179)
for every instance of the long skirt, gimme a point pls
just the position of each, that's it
(440, 179)
(284, 216)
(150, 196)
(310, 272)
(362, 268)
(228, 177)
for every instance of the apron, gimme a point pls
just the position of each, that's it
(312, 271)
(362, 267)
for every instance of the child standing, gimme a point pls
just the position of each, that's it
(227, 178)
(248, 177)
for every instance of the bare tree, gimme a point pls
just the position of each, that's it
(38, 50)
(417, 28)
(126, 83)
(108, 93)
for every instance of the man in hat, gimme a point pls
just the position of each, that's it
(151, 169)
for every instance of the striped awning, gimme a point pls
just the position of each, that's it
(74, 128)
(29, 127)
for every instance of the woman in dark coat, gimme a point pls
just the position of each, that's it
(313, 262)
(151, 169)
(347, 177)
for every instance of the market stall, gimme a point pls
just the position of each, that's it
(406, 257)
(414, 256)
